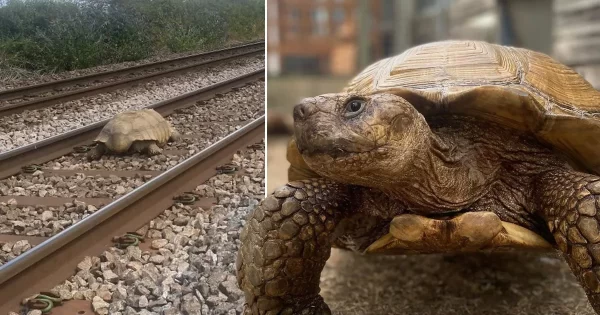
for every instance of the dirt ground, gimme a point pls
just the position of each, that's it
(520, 283)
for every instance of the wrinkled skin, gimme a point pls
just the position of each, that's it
(380, 159)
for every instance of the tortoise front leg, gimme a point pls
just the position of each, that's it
(97, 152)
(285, 244)
(570, 203)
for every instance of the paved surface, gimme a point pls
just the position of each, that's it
(495, 284)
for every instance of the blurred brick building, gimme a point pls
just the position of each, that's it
(340, 37)
(577, 36)
(324, 36)
(522, 23)
(569, 30)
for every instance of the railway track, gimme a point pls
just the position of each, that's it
(99, 200)
(15, 101)
(36, 125)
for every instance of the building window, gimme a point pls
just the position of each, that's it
(301, 65)
(294, 14)
(423, 5)
(339, 14)
(293, 29)
(388, 10)
(294, 21)
(320, 19)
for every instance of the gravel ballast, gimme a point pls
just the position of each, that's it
(31, 126)
(41, 221)
(187, 264)
(78, 185)
(10, 250)
(190, 265)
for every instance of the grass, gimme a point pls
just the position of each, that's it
(54, 35)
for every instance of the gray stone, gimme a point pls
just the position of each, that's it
(157, 259)
(117, 306)
(142, 301)
(159, 243)
(231, 290)
(141, 290)
(99, 305)
(191, 305)
(104, 294)
(110, 276)
(134, 253)
(85, 264)
(20, 247)
(47, 215)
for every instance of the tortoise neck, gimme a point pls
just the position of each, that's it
(450, 176)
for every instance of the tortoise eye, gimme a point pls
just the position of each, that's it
(354, 107)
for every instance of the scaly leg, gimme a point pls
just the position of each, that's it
(285, 244)
(569, 202)
(153, 149)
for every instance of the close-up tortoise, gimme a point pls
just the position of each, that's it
(141, 131)
(454, 146)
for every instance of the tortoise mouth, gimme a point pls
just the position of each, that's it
(334, 152)
(348, 160)
(316, 143)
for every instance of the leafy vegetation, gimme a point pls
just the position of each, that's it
(55, 35)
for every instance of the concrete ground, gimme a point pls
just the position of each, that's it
(520, 283)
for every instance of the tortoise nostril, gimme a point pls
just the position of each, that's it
(299, 112)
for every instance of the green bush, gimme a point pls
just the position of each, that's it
(53, 35)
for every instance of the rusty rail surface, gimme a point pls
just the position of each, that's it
(54, 260)
(111, 86)
(48, 149)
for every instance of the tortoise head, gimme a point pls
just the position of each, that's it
(367, 140)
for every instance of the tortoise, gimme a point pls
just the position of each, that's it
(453, 146)
(143, 131)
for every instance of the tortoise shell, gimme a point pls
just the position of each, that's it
(138, 125)
(515, 87)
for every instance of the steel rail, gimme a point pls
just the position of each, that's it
(111, 86)
(59, 145)
(55, 259)
(47, 86)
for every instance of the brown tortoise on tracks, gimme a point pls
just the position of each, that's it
(143, 131)
(451, 146)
